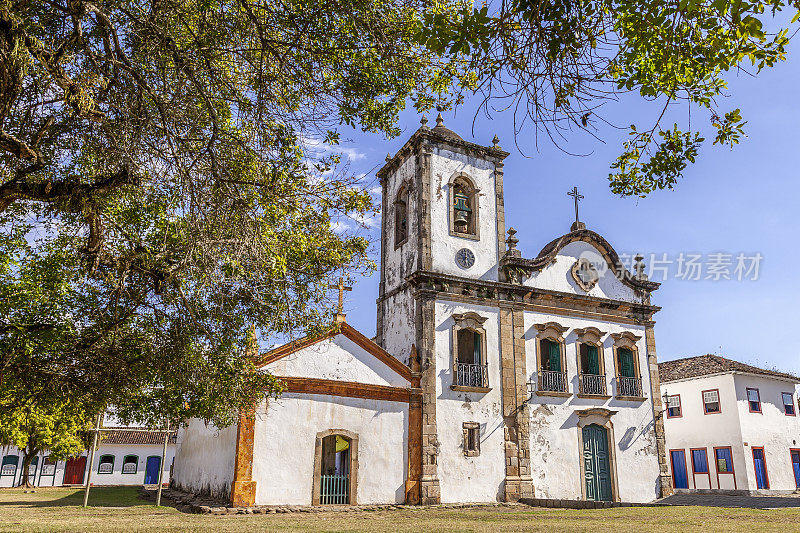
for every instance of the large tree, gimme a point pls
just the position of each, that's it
(159, 173)
(160, 190)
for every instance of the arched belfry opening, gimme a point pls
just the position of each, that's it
(463, 207)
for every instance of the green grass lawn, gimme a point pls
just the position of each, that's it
(120, 509)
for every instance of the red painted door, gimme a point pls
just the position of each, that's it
(74, 470)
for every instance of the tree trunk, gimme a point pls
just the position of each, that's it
(27, 457)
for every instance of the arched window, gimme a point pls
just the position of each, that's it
(626, 363)
(463, 207)
(401, 217)
(551, 365)
(106, 465)
(470, 368)
(130, 465)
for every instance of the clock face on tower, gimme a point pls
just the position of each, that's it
(465, 258)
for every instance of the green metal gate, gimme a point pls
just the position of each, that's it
(596, 463)
(335, 489)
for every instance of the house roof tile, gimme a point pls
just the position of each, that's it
(704, 365)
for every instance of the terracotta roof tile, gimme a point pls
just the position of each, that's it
(112, 436)
(704, 365)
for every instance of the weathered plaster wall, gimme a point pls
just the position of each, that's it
(337, 358)
(444, 164)
(555, 457)
(400, 261)
(772, 429)
(205, 458)
(286, 431)
(557, 275)
(468, 479)
(399, 325)
(696, 429)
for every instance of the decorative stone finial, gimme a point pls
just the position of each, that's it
(439, 120)
(496, 142)
(388, 157)
(424, 122)
(512, 241)
(639, 267)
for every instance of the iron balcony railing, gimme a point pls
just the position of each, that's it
(592, 384)
(550, 381)
(334, 489)
(469, 375)
(628, 386)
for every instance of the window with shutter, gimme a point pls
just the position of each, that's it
(627, 368)
(555, 356)
(754, 400)
(674, 406)
(788, 403)
(711, 401)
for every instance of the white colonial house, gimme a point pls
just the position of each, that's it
(731, 426)
(492, 377)
(125, 456)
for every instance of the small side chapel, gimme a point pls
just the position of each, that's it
(492, 377)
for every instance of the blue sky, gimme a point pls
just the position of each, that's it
(739, 201)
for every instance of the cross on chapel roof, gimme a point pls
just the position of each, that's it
(340, 316)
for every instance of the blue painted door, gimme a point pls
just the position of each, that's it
(151, 470)
(679, 476)
(760, 462)
(796, 467)
(597, 467)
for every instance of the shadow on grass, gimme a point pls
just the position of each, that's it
(62, 497)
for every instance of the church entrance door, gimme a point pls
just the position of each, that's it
(73, 471)
(335, 481)
(597, 467)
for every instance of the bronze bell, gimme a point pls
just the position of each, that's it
(462, 211)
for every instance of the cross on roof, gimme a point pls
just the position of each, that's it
(578, 197)
(342, 288)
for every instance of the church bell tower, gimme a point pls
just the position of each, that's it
(442, 213)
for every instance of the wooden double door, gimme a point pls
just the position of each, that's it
(597, 463)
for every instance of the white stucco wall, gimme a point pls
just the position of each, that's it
(444, 164)
(557, 276)
(555, 456)
(468, 479)
(337, 358)
(736, 427)
(772, 429)
(696, 429)
(205, 457)
(285, 436)
(119, 451)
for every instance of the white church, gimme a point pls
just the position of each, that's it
(493, 377)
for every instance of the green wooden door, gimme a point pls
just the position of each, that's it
(596, 463)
